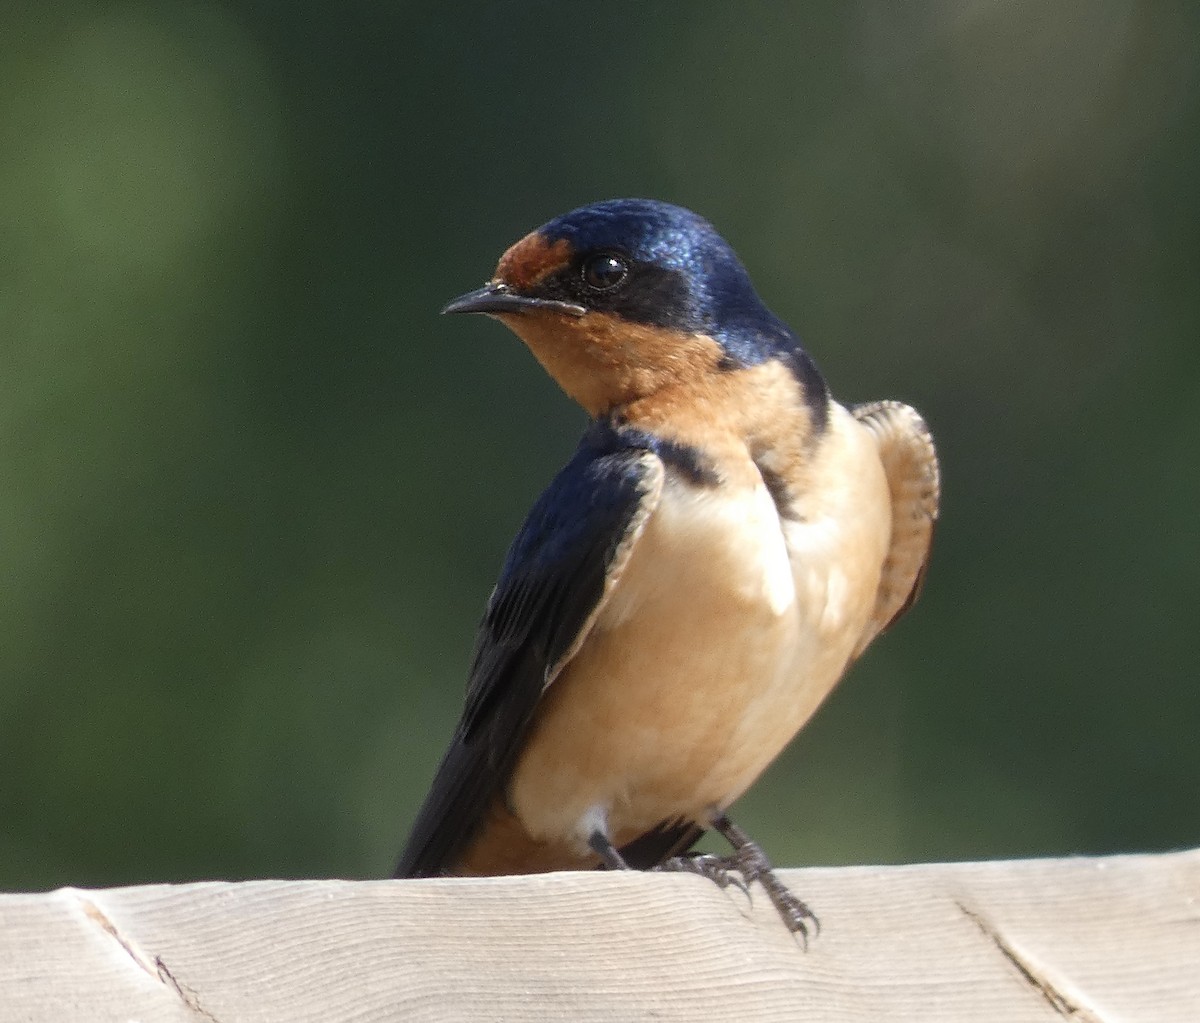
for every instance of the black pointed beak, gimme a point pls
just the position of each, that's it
(495, 298)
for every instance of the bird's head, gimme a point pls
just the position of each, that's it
(622, 298)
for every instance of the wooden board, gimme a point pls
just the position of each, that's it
(1087, 940)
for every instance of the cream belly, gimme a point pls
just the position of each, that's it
(723, 635)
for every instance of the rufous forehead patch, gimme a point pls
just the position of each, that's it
(532, 259)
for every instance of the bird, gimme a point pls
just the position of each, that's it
(726, 540)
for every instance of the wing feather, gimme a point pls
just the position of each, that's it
(910, 464)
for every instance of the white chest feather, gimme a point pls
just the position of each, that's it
(704, 546)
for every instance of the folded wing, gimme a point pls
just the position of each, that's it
(566, 559)
(911, 465)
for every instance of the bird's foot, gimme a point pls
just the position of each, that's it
(745, 865)
(749, 860)
(796, 915)
(720, 870)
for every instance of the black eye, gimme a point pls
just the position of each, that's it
(604, 271)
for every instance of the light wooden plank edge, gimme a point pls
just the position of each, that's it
(1092, 940)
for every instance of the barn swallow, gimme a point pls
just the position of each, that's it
(726, 540)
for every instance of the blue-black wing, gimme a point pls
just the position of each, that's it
(554, 581)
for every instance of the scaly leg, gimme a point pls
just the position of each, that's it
(609, 855)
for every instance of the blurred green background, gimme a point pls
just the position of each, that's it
(255, 492)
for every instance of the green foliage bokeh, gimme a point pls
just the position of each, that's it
(255, 492)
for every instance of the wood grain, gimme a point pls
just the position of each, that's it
(1087, 940)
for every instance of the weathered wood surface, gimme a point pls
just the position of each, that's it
(1087, 940)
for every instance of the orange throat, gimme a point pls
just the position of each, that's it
(603, 362)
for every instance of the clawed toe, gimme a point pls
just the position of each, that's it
(741, 870)
(722, 872)
(753, 864)
(795, 913)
